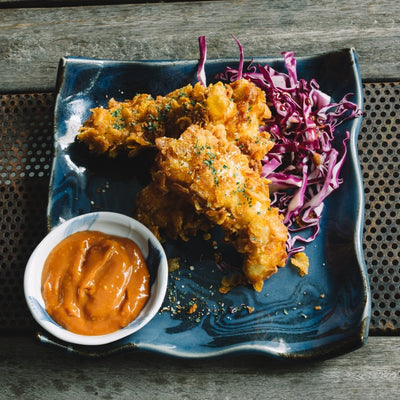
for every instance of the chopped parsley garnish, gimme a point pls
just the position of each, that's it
(119, 122)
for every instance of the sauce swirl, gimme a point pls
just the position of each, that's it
(94, 283)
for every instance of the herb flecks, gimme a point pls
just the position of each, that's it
(241, 188)
(209, 161)
(151, 125)
(198, 149)
(116, 113)
(119, 122)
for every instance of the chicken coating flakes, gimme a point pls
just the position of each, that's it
(301, 262)
(167, 214)
(207, 169)
(126, 127)
(213, 175)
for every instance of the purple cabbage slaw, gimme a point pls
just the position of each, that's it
(303, 166)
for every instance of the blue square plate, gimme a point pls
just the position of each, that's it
(322, 314)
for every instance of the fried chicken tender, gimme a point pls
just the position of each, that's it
(207, 169)
(126, 127)
(168, 214)
(211, 173)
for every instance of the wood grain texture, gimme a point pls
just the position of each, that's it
(32, 40)
(66, 3)
(30, 370)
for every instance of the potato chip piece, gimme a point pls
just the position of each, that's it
(300, 261)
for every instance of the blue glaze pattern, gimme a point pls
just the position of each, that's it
(40, 311)
(152, 261)
(322, 314)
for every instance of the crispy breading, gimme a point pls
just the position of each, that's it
(207, 169)
(126, 127)
(213, 175)
(167, 214)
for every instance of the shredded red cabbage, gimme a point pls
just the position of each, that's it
(201, 72)
(303, 166)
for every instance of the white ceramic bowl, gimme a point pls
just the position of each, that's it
(113, 224)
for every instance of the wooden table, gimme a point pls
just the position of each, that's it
(34, 35)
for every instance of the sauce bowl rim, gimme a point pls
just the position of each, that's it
(109, 223)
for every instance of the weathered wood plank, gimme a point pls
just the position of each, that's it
(30, 371)
(33, 40)
(65, 3)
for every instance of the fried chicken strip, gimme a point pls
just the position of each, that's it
(213, 175)
(126, 127)
(168, 214)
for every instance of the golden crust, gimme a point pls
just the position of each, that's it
(212, 174)
(167, 214)
(207, 169)
(126, 127)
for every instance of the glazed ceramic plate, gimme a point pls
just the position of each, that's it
(322, 314)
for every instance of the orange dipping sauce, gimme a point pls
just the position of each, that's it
(94, 283)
